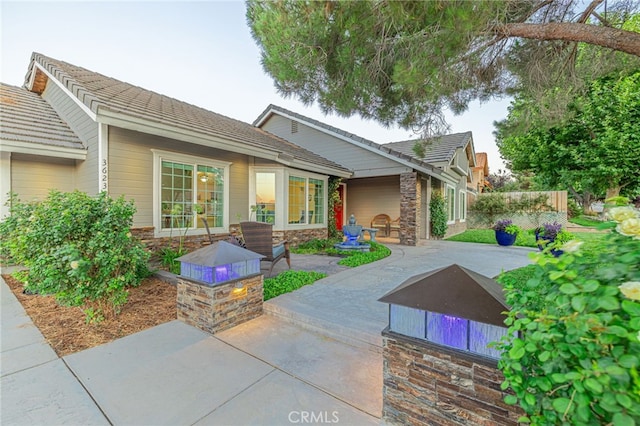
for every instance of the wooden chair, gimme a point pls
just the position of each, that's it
(381, 222)
(394, 226)
(258, 238)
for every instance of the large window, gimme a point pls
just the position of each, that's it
(265, 203)
(306, 200)
(463, 205)
(451, 204)
(288, 198)
(189, 189)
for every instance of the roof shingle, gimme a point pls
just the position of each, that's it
(99, 92)
(26, 117)
(438, 149)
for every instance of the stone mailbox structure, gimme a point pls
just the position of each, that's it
(438, 368)
(219, 286)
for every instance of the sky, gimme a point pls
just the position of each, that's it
(197, 52)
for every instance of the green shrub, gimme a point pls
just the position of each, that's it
(168, 256)
(573, 351)
(356, 258)
(76, 247)
(315, 246)
(573, 209)
(289, 281)
(438, 212)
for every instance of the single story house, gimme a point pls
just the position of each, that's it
(70, 128)
(388, 178)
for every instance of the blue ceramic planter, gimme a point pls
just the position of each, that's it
(505, 239)
(542, 244)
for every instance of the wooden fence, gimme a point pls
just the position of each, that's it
(557, 200)
(555, 210)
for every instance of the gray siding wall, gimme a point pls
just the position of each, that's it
(85, 128)
(359, 160)
(32, 177)
(369, 197)
(131, 171)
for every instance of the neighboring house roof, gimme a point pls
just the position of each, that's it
(29, 124)
(122, 104)
(407, 158)
(440, 149)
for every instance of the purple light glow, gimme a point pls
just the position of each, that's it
(222, 273)
(447, 330)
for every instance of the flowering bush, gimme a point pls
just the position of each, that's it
(572, 356)
(76, 247)
(506, 225)
(552, 232)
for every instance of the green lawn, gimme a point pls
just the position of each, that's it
(525, 239)
(585, 221)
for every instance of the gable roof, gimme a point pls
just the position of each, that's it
(122, 104)
(405, 158)
(438, 149)
(29, 124)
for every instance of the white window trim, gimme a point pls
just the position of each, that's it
(158, 157)
(282, 195)
(307, 176)
(278, 171)
(448, 191)
(462, 205)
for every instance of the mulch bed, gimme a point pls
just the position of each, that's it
(65, 329)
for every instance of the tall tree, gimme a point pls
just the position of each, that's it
(406, 61)
(594, 152)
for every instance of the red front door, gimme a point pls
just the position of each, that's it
(338, 209)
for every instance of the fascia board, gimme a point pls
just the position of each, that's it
(64, 88)
(145, 126)
(159, 129)
(320, 169)
(40, 149)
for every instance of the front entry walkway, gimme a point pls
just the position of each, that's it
(315, 359)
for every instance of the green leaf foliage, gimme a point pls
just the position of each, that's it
(593, 150)
(289, 281)
(438, 212)
(76, 247)
(574, 341)
(405, 62)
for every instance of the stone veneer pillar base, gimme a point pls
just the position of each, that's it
(426, 383)
(217, 308)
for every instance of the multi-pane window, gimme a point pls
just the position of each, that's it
(451, 204)
(306, 200)
(297, 199)
(265, 207)
(176, 195)
(316, 203)
(463, 205)
(189, 191)
(210, 196)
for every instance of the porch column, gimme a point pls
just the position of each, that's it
(410, 198)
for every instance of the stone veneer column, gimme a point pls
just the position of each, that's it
(219, 307)
(430, 384)
(410, 195)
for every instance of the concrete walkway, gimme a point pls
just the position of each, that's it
(314, 359)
